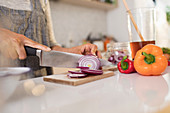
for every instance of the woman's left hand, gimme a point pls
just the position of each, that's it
(82, 49)
(90, 49)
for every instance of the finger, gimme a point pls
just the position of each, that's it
(98, 54)
(84, 49)
(93, 49)
(18, 45)
(29, 42)
(20, 51)
(87, 53)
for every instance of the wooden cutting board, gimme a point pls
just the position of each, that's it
(64, 79)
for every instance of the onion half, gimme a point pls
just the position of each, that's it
(90, 61)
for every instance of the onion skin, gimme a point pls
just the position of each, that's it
(90, 61)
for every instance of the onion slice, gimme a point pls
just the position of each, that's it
(92, 72)
(90, 61)
(75, 72)
(76, 75)
(83, 67)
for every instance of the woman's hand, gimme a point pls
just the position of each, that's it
(12, 44)
(82, 49)
(89, 49)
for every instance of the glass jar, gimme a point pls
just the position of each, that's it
(116, 51)
(168, 14)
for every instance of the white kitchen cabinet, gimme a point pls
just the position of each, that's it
(91, 4)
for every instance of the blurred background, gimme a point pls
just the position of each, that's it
(97, 21)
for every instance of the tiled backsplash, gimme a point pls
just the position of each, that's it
(72, 22)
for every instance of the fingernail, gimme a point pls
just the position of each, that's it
(48, 49)
(94, 53)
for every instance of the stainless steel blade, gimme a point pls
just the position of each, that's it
(105, 62)
(62, 59)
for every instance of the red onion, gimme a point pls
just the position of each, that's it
(90, 61)
(76, 75)
(116, 57)
(75, 72)
(111, 59)
(92, 72)
(83, 67)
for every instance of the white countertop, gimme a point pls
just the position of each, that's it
(122, 93)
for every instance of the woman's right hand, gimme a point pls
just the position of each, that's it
(12, 44)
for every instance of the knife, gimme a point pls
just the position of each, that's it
(58, 58)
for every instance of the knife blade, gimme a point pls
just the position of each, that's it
(58, 58)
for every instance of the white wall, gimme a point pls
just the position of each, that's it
(117, 21)
(71, 21)
(163, 28)
(143, 3)
(76, 22)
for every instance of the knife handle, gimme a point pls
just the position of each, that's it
(30, 51)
